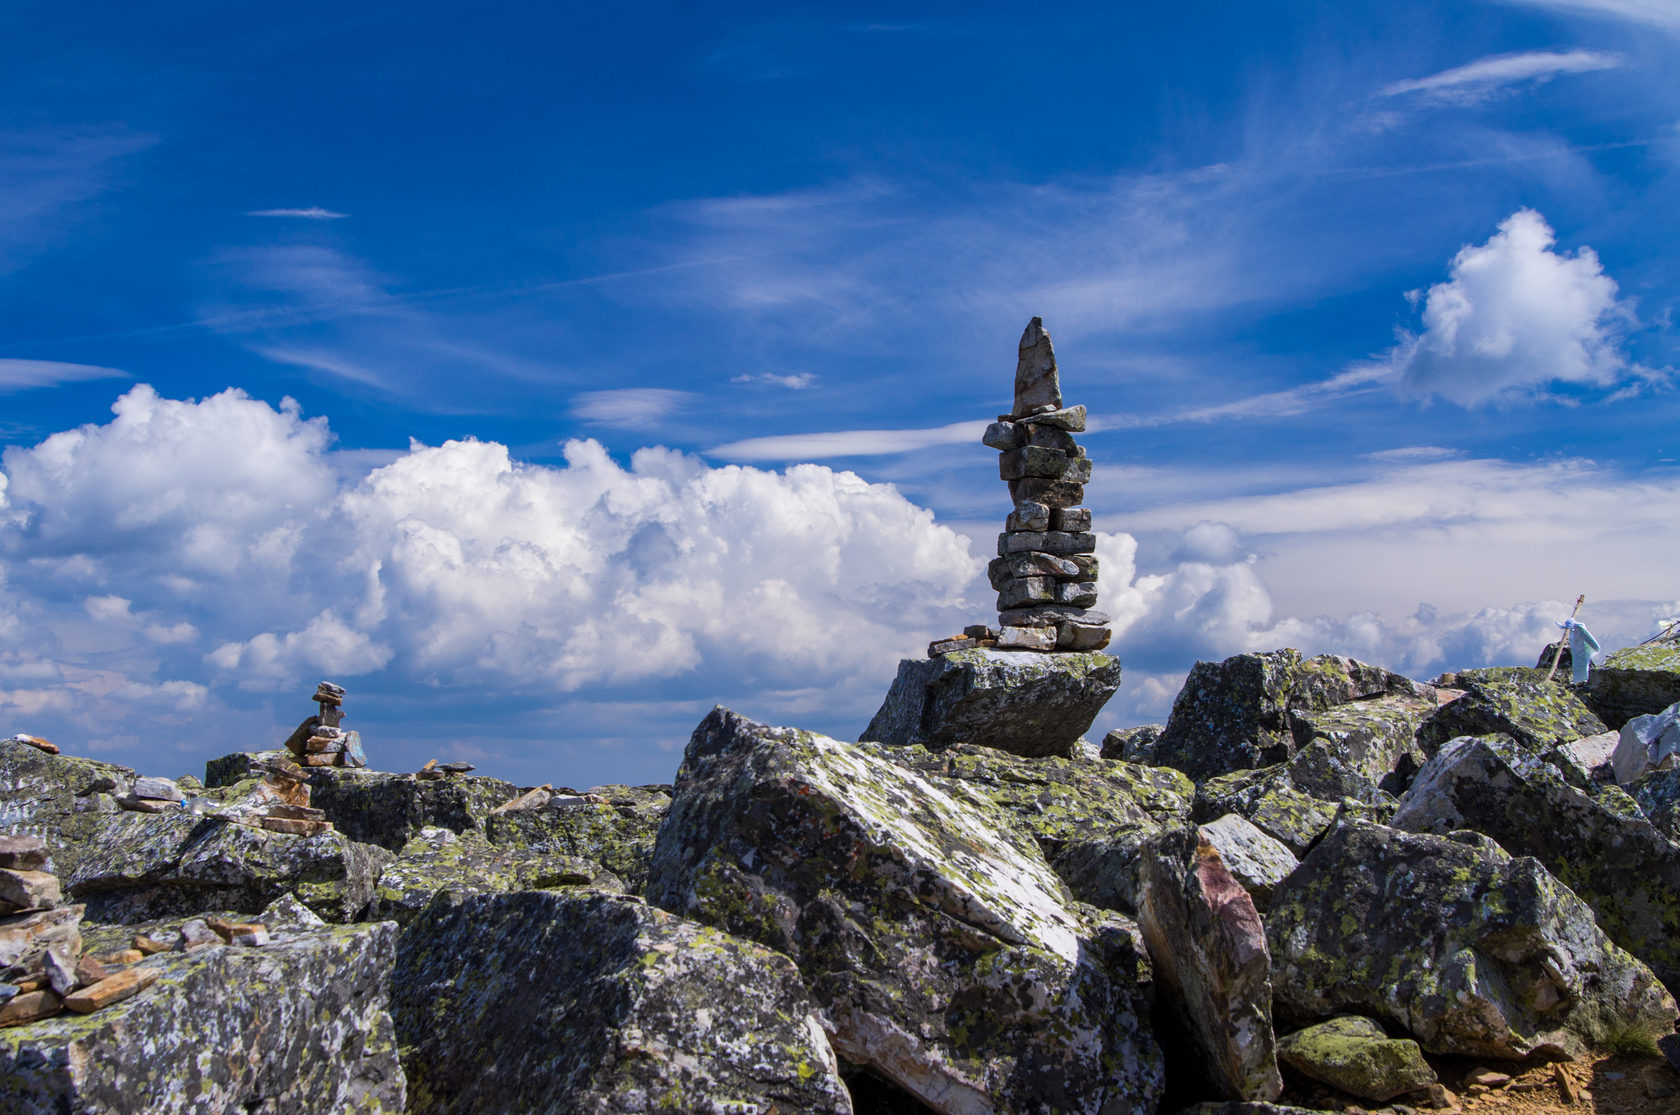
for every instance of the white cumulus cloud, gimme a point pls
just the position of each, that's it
(1515, 318)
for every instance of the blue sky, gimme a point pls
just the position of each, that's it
(525, 368)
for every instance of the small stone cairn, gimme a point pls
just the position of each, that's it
(1045, 573)
(319, 741)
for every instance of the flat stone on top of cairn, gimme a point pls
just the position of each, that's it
(319, 741)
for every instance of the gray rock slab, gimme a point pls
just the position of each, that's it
(599, 1005)
(941, 947)
(1021, 702)
(301, 1024)
(376, 807)
(1037, 385)
(1513, 701)
(1455, 942)
(1612, 857)
(1647, 743)
(1255, 860)
(1635, 681)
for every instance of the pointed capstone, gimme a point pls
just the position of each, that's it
(1037, 387)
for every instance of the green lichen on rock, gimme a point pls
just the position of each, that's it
(1658, 796)
(940, 945)
(598, 1005)
(616, 833)
(1511, 701)
(1636, 681)
(1267, 799)
(1017, 701)
(376, 807)
(1452, 940)
(137, 867)
(301, 1024)
(1356, 1056)
(1597, 843)
(59, 798)
(1240, 714)
(440, 861)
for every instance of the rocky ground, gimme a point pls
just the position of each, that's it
(1319, 886)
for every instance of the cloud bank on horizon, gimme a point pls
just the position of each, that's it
(1373, 309)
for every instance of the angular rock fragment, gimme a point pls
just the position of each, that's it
(1024, 704)
(1636, 681)
(1450, 939)
(1237, 714)
(439, 861)
(112, 989)
(22, 853)
(57, 797)
(1267, 799)
(610, 827)
(1037, 388)
(301, 1025)
(28, 890)
(1515, 702)
(1257, 861)
(1134, 745)
(936, 940)
(374, 807)
(26, 938)
(1647, 743)
(1614, 859)
(1209, 949)
(597, 1005)
(1356, 1056)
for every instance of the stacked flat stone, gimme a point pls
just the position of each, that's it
(319, 741)
(1045, 573)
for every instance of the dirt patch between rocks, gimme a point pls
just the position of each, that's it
(1622, 1084)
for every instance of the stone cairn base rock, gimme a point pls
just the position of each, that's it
(319, 741)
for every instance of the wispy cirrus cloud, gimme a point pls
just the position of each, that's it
(1656, 13)
(21, 375)
(312, 213)
(44, 175)
(1484, 77)
(847, 443)
(631, 408)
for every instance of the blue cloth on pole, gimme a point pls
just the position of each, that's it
(1582, 646)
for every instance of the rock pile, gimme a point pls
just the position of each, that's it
(319, 741)
(1045, 573)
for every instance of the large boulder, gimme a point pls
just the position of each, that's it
(1452, 940)
(1647, 743)
(1356, 1056)
(614, 826)
(1635, 681)
(438, 860)
(943, 950)
(376, 807)
(1269, 800)
(1209, 949)
(600, 1004)
(60, 798)
(1016, 701)
(142, 866)
(300, 1024)
(1257, 861)
(1358, 749)
(1515, 701)
(1243, 712)
(1606, 852)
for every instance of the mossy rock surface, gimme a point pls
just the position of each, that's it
(438, 861)
(617, 833)
(1356, 1056)
(547, 1001)
(1658, 796)
(137, 867)
(1237, 714)
(1515, 702)
(1022, 702)
(1597, 842)
(59, 798)
(1267, 799)
(945, 952)
(377, 807)
(1450, 939)
(300, 1024)
(1636, 681)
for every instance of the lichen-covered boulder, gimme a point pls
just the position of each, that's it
(1017, 701)
(1268, 799)
(1236, 714)
(617, 831)
(1256, 861)
(1515, 701)
(1635, 681)
(59, 798)
(241, 766)
(940, 945)
(300, 1024)
(1452, 940)
(1209, 949)
(1647, 743)
(1613, 858)
(377, 807)
(438, 860)
(1134, 745)
(1356, 1056)
(1658, 796)
(1357, 749)
(1585, 762)
(142, 866)
(597, 1005)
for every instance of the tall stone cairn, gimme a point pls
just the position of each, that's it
(1046, 569)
